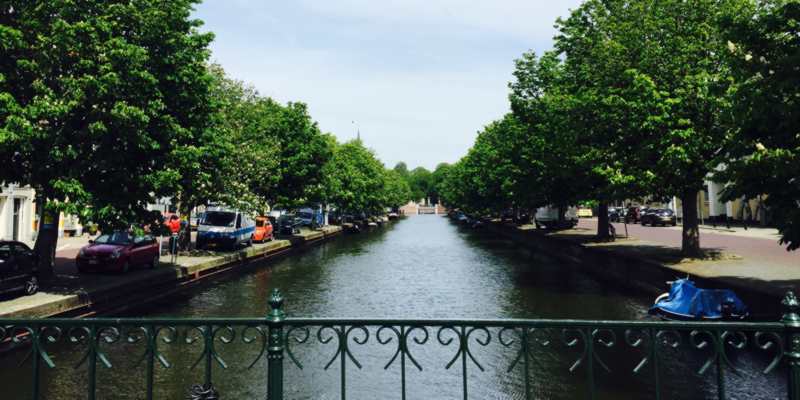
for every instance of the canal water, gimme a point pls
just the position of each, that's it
(418, 268)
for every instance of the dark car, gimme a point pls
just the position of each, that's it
(614, 214)
(659, 216)
(18, 271)
(289, 224)
(118, 251)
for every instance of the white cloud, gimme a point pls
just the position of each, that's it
(420, 77)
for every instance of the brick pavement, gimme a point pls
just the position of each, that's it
(755, 258)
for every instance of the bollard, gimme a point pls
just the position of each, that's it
(275, 320)
(791, 323)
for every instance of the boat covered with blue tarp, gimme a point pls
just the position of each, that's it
(688, 302)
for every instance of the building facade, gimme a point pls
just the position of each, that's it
(17, 213)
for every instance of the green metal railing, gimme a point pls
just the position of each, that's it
(277, 337)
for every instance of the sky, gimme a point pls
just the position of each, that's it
(417, 78)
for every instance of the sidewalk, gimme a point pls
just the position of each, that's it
(75, 294)
(752, 258)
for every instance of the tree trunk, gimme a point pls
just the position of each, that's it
(602, 221)
(561, 210)
(46, 240)
(690, 242)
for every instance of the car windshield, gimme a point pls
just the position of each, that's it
(219, 218)
(305, 215)
(114, 238)
(259, 222)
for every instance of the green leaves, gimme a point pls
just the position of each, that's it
(90, 113)
(763, 154)
(355, 181)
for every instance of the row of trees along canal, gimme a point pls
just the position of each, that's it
(647, 98)
(107, 106)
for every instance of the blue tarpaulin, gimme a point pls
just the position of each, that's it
(686, 301)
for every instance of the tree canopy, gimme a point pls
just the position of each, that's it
(648, 99)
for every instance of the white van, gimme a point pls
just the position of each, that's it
(225, 228)
(547, 218)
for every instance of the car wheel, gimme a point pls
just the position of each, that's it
(31, 285)
(154, 262)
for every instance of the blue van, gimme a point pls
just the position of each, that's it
(311, 217)
(225, 228)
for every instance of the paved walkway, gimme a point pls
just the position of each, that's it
(753, 256)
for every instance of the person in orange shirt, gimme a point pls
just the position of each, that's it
(174, 224)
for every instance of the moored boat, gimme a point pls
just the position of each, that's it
(685, 301)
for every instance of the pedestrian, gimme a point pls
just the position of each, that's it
(174, 226)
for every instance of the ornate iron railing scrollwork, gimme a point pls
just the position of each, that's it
(519, 345)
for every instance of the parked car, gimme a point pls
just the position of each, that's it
(548, 218)
(289, 224)
(662, 216)
(614, 214)
(264, 230)
(118, 251)
(221, 227)
(18, 268)
(311, 217)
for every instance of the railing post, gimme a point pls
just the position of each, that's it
(275, 319)
(791, 323)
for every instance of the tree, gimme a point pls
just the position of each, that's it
(402, 169)
(676, 46)
(419, 179)
(551, 152)
(303, 151)
(92, 108)
(395, 188)
(355, 179)
(763, 155)
(595, 76)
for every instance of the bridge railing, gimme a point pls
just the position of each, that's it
(591, 350)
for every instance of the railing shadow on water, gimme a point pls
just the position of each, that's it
(282, 357)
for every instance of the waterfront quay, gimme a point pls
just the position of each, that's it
(421, 308)
(76, 294)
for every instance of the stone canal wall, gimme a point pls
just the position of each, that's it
(114, 293)
(605, 265)
(618, 265)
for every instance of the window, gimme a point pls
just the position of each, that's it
(5, 251)
(122, 238)
(219, 218)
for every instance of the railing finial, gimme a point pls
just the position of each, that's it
(276, 305)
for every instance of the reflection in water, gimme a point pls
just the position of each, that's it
(422, 267)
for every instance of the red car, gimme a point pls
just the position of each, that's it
(118, 251)
(263, 230)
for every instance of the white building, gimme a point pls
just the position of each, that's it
(17, 213)
(711, 208)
